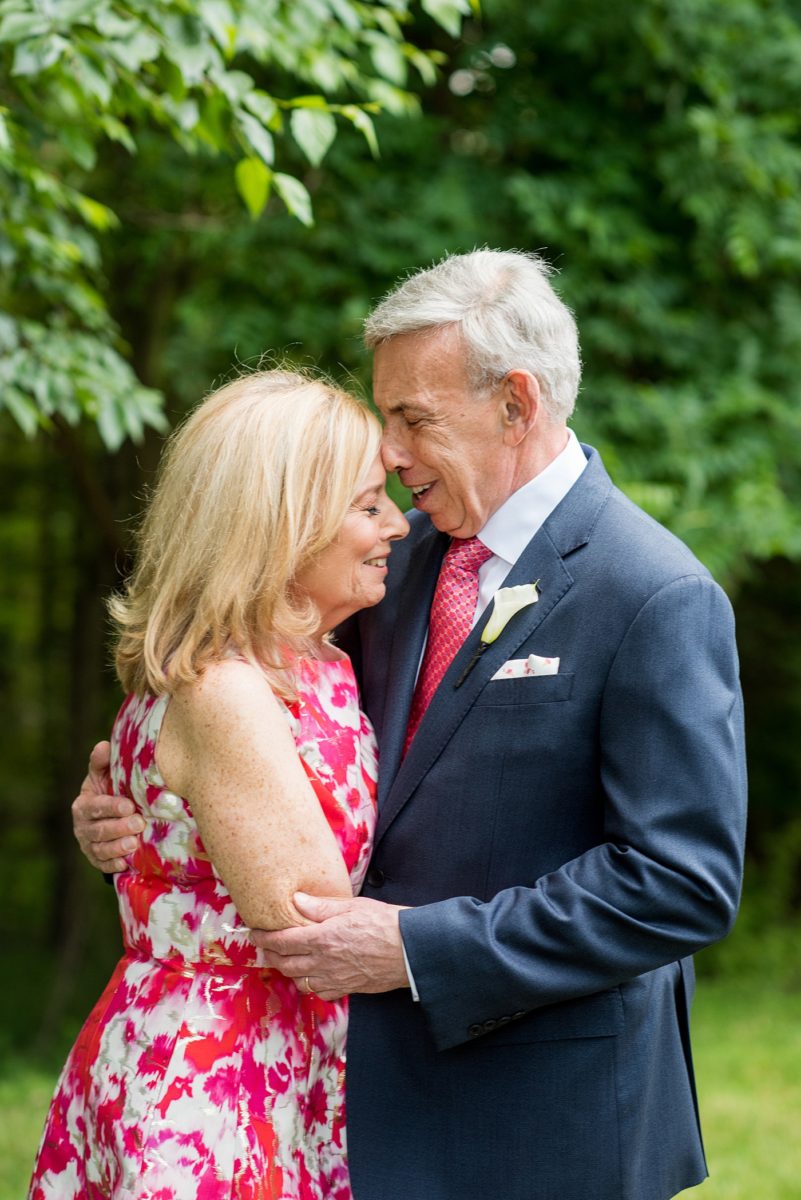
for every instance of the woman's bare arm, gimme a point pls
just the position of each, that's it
(226, 746)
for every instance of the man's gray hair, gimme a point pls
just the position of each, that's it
(507, 313)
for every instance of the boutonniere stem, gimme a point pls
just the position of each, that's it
(506, 603)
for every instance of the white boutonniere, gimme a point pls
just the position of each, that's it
(506, 602)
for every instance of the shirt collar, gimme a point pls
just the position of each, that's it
(511, 527)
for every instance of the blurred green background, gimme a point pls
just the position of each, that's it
(155, 192)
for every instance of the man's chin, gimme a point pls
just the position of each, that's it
(466, 529)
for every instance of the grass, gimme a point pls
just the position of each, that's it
(747, 1046)
(747, 1041)
(25, 1093)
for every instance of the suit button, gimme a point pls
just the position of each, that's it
(503, 1021)
(375, 877)
(516, 1016)
(489, 1026)
(476, 1030)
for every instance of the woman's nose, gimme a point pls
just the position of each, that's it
(398, 525)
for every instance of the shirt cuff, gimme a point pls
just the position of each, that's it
(412, 984)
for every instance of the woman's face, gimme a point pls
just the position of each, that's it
(350, 573)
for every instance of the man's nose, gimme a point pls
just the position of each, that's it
(394, 454)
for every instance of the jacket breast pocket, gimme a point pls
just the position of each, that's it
(531, 689)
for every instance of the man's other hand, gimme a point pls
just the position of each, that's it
(105, 826)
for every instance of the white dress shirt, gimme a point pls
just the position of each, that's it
(510, 529)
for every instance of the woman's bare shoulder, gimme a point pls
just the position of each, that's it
(231, 695)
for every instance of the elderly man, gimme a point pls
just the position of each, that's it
(562, 783)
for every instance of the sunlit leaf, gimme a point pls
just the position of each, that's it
(313, 131)
(448, 13)
(258, 137)
(253, 181)
(295, 197)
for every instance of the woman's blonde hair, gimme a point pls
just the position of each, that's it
(251, 488)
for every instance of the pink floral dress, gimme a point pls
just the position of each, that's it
(201, 1074)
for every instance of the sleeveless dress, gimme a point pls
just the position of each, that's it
(201, 1074)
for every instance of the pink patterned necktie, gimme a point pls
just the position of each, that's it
(449, 622)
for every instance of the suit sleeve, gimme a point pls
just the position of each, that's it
(666, 879)
(348, 638)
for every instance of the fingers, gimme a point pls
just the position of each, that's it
(107, 828)
(281, 942)
(112, 866)
(91, 807)
(107, 856)
(100, 758)
(111, 838)
(320, 908)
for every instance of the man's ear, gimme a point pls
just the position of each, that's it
(521, 405)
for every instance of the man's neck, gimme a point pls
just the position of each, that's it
(542, 451)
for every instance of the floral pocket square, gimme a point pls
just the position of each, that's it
(518, 668)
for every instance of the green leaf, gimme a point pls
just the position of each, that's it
(262, 106)
(112, 25)
(448, 13)
(359, 118)
(234, 85)
(9, 337)
(17, 26)
(95, 214)
(132, 52)
(425, 67)
(345, 12)
(22, 410)
(36, 55)
(193, 56)
(314, 132)
(295, 197)
(388, 59)
(5, 137)
(253, 181)
(219, 18)
(186, 113)
(257, 137)
(110, 426)
(79, 148)
(73, 12)
(92, 79)
(118, 132)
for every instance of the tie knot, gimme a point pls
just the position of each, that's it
(467, 554)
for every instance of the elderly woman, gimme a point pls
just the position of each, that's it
(200, 1073)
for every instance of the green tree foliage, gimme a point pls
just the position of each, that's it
(654, 148)
(80, 76)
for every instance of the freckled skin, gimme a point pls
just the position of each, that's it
(226, 747)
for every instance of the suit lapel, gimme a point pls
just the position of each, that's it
(569, 527)
(450, 704)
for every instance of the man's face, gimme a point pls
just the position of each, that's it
(445, 442)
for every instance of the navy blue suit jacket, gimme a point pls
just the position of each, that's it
(566, 842)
